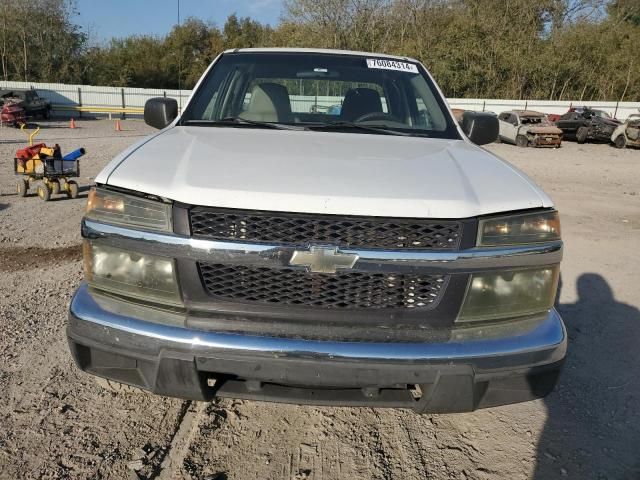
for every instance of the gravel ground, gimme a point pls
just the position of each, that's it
(58, 424)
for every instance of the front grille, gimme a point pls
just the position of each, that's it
(344, 290)
(342, 231)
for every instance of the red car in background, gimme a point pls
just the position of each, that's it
(13, 113)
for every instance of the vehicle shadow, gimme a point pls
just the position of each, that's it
(65, 198)
(593, 422)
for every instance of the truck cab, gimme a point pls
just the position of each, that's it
(265, 244)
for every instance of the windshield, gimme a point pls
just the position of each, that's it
(531, 120)
(316, 91)
(602, 114)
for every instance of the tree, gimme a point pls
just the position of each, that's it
(37, 54)
(551, 49)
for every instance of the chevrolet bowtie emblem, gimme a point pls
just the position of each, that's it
(323, 259)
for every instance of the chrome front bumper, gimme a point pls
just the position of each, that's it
(475, 368)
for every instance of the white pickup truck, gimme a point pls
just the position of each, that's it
(316, 228)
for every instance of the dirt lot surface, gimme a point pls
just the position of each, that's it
(56, 423)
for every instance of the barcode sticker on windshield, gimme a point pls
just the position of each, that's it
(385, 64)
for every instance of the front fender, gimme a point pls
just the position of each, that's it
(618, 131)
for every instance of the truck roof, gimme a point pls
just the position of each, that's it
(321, 50)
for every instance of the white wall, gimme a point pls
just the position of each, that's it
(69, 95)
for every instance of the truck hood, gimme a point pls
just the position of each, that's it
(323, 172)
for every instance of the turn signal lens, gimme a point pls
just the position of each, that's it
(510, 294)
(519, 229)
(121, 209)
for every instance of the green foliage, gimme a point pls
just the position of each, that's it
(38, 40)
(548, 49)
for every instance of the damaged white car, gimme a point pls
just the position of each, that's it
(627, 134)
(526, 128)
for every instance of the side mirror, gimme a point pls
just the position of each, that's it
(160, 112)
(480, 127)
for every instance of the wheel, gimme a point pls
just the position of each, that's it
(522, 141)
(72, 189)
(620, 141)
(581, 134)
(55, 187)
(44, 192)
(22, 187)
(117, 387)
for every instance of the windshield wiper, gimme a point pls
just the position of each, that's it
(241, 121)
(350, 125)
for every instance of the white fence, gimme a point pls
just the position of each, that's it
(64, 97)
(69, 97)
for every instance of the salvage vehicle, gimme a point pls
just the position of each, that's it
(528, 128)
(257, 250)
(33, 104)
(458, 113)
(587, 124)
(628, 133)
(13, 114)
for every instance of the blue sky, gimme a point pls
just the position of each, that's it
(118, 18)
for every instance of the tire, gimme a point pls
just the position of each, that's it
(581, 134)
(72, 189)
(44, 192)
(22, 187)
(620, 141)
(55, 187)
(117, 387)
(522, 141)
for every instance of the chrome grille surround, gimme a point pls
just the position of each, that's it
(338, 230)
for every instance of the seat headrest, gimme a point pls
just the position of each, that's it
(359, 101)
(269, 103)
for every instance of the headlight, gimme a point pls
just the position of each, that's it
(131, 274)
(509, 294)
(120, 209)
(519, 229)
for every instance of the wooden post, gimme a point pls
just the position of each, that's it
(79, 101)
(124, 105)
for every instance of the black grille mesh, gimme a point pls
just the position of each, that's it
(302, 229)
(344, 290)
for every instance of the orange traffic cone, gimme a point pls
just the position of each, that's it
(72, 124)
(118, 128)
